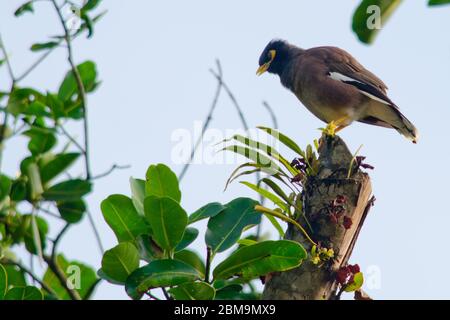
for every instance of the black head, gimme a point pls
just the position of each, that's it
(275, 56)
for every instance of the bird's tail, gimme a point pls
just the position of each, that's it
(408, 129)
(390, 116)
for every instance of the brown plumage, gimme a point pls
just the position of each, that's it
(334, 86)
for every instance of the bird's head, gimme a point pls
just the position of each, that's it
(274, 57)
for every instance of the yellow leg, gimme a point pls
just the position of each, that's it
(336, 125)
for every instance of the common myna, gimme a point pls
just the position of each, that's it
(334, 86)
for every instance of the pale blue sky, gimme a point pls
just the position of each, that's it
(153, 60)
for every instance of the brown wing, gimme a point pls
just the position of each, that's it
(343, 62)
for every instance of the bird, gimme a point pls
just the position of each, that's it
(334, 86)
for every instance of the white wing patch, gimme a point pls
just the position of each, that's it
(341, 77)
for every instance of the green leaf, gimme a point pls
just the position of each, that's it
(71, 211)
(26, 7)
(88, 74)
(35, 242)
(81, 277)
(260, 259)
(358, 281)
(43, 46)
(267, 194)
(226, 228)
(284, 139)
(138, 194)
(57, 166)
(69, 190)
(88, 23)
(16, 277)
(207, 211)
(193, 291)
(363, 23)
(272, 152)
(20, 98)
(18, 190)
(256, 156)
(90, 5)
(119, 262)
(24, 293)
(438, 2)
(56, 106)
(40, 142)
(277, 189)
(192, 259)
(159, 273)
(167, 220)
(189, 236)
(5, 186)
(38, 109)
(247, 242)
(258, 168)
(275, 224)
(148, 249)
(32, 172)
(230, 292)
(3, 282)
(162, 182)
(120, 214)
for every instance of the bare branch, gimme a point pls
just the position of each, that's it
(272, 114)
(80, 85)
(8, 63)
(110, 170)
(31, 274)
(205, 124)
(61, 276)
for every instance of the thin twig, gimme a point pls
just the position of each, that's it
(168, 297)
(72, 139)
(80, 85)
(241, 117)
(96, 233)
(272, 114)
(31, 274)
(233, 99)
(151, 296)
(110, 170)
(8, 62)
(50, 213)
(82, 96)
(61, 276)
(58, 238)
(13, 84)
(205, 124)
(36, 63)
(208, 264)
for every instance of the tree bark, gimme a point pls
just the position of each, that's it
(311, 281)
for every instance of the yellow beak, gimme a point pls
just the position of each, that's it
(262, 69)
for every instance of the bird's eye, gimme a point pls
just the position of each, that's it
(271, 55)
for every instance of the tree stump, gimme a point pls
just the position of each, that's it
(309, 281)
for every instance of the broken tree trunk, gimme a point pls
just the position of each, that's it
(309, 281)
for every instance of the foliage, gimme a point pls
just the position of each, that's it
(362, 23)
(44, 188)
(162, 234)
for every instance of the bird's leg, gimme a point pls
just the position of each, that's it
(334, 126)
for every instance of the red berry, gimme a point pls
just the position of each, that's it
(342, 275)
(354, 268)
(347, 223)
